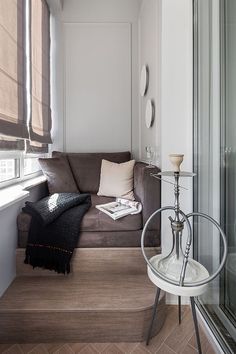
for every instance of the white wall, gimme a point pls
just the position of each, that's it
(176, 101)
(149, 54)
(98, 103)
(8, 243)
(101, 10)
(76, 13)
(8, 237)
(165, 42)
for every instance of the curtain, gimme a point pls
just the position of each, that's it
(40, 119)
(13, 117)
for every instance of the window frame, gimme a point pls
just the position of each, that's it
(21, 156)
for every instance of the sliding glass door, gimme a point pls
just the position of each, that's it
(215, 157)
(229, 140)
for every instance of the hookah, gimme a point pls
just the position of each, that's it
(177, 273)
(177, 264)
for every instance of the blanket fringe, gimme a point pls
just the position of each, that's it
(46, 258)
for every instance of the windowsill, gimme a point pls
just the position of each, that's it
(33, 182)
(11, 195)
(20, 191)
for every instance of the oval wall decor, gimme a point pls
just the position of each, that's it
(144, 80)
(150, 113)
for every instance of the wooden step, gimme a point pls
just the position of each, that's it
(108, 301)
(89, 260)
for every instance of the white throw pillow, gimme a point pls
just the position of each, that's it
(117, 179)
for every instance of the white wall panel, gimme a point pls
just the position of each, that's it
(101, 10)
(97, 87)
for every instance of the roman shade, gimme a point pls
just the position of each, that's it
(13, 120)
(40, 118)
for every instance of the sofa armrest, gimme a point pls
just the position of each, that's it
(23, 225)
(147, 190)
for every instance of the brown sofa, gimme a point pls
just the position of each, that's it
(98, 229)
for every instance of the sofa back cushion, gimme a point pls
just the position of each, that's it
(59, 175)
(86, 167)
(117, 179)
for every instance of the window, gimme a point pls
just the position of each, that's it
(9, 169)
(25, 114)
(16, 166)
(31, 165)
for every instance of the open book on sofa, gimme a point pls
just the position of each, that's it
(120, 208)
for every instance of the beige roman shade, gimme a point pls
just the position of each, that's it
(13, 118)
(40, 120)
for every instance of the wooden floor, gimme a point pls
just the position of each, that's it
(170, 340)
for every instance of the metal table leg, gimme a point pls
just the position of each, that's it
(196, 324)
(153, 315)
(179, 304)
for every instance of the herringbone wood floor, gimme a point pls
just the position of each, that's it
(172, 339)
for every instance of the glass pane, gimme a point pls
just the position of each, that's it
(31, 165)
(215, 162)
(207, 247)
(9, 169)
(230, 157)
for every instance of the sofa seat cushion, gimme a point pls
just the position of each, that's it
(96, 220)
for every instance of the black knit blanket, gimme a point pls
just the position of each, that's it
(54, 229)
